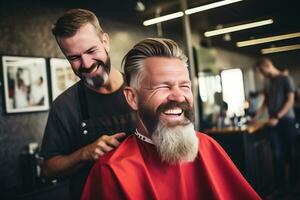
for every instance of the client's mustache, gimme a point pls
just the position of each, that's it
(92, 67)
(186, 108)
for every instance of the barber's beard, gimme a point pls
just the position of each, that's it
(95, 81)
(176, 144)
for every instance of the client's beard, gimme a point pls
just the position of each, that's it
(176, 144)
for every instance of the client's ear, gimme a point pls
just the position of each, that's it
(131, 97)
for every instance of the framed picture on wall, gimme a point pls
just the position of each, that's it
(62, 76)
(25, 84)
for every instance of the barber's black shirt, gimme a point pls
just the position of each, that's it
(80, 116)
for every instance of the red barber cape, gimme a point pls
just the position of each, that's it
(134, 171)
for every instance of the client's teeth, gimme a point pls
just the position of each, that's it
(174, 111)
(95, 69)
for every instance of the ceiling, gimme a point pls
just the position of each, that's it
(284, 13)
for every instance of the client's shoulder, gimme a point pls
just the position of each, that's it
(120, 154)
(203, 136)
(206, 140)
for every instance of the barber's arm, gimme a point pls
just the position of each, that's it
(64, 165)
(284, 110)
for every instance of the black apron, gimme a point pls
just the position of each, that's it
(108, 125)
(91, 128)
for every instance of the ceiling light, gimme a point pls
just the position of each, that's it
(162, 18)
(188, 12)
(140, 6)
(280, 49)
(227, 37)
(210, 6)
(267, 39)
(238, 28)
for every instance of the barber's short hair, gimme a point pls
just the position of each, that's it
(133, 62)
(69, 23)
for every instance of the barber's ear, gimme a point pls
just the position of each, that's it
(131, 97)
(105, 41)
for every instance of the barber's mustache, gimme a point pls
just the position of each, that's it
(91, 68)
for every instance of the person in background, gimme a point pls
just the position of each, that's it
(285, 71)
(223, 119)
(279, 101)
(165, 158)
(88, 119)
(255, 101)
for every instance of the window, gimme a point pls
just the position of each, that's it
(233, 91)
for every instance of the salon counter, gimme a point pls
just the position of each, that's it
(251, 128)
(249, 148)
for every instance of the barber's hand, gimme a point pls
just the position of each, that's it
(273, 122)
(101, 146)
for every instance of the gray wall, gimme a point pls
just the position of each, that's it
(23, 31)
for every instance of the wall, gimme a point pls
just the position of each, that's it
(216, 59)
(295, 74)
(24, 31)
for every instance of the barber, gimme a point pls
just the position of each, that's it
(90, 118)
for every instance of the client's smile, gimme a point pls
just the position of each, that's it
(173, 111)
